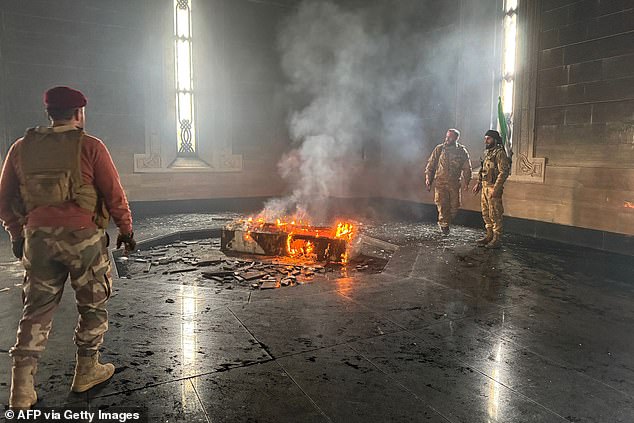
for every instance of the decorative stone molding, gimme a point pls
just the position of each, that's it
(215, 149)
(526, 167)
(229, 162)
(531, 167)
(151, 160)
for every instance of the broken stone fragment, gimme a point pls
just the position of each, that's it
(211, 275)
(269, 284)
(250, 276)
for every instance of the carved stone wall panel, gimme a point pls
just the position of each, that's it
(526, 167)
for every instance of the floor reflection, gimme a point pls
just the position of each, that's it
(493, 406)
(189, 341)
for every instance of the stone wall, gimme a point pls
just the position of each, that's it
(120, 54)
(583, 120)
(90, 45)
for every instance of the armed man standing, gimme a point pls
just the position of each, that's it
(493, 173)
(445, 166)
(58, 188)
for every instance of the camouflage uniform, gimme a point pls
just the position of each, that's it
(50, 256)
(494, 172)
(58, 189)
(444, 168)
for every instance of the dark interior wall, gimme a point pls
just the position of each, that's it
(458, 82)
(120, 54)
(585, 106)
(240, 109)
(584, 115)
(240, 80)
(91, 45)
(584, 121)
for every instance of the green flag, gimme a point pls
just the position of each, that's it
(504, 130)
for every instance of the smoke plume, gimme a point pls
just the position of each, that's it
(361, 76)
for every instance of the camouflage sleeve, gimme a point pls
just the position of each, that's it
(10, 195)
(480, 170)
(504, 168)
(466, 169)
(432, 163)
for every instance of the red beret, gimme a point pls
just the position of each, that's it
(64, 98)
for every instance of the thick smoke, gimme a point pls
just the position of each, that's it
(361, 74)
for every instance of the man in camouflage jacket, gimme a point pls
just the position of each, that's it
(493, 173)
(447, 167)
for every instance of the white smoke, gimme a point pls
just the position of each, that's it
(360, 74)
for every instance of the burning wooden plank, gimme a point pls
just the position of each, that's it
(279, 239)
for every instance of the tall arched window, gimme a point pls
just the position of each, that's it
(185, 115)
(508, 58)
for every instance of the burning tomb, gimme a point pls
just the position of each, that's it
(294, 239)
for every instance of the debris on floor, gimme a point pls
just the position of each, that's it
(201, 261)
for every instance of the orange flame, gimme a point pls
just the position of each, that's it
(298, 247)
(296, 228)
(344, 230)
(629, 205)
(289, 248)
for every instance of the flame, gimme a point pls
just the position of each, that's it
(297, 228)
(629, 205)
(299, 247)
(289, 248)
(344, 230)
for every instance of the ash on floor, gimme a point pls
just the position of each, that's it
(201, 262)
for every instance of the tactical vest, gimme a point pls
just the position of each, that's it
(450, 163)
(489, 168)
(50, 164)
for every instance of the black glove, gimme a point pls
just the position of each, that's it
(18, 248)
(127, 240)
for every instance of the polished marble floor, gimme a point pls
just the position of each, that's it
(533, 332)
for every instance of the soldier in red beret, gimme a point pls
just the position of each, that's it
(58, 189)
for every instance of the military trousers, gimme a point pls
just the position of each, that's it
(492, 209)
(447, 199)
(51, 255)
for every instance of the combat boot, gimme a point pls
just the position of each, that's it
(89, 372)
(23, 394)
(495, 242)
(486, 238)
